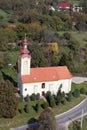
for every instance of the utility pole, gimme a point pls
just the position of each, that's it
(82, 118)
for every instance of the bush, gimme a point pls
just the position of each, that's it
(76, 93)
(21, 110)
(52, 102)
(82, 91)
(67, 36)
(33, 97)
(69, 97)
(37, 96)
(27, 108)
(48, 96)
(21, 98)
(63, 101)
(37, 107)
(45, 105)
(27, 98)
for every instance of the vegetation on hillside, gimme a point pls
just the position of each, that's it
(44, 28)
(8, 100)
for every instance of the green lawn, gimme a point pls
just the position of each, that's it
(76, 123)
(79, 86)
(78, 35)
(21, 119)
(72, 1)
(3, 13)
(62, 108)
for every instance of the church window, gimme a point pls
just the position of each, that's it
(25, 89)
(43, 85)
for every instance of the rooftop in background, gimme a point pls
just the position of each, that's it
(64, 5)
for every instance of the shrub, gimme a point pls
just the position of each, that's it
(45, 105)
(21, 98)
(27, 98)
(67, 36)
(37, 96)
(37, 107)
(33, 97)
(82, 91)
(63, 101)
(69, 97)
(48, 96)
(27, 108)
(76, 93)
(52, 102)
(21, 110)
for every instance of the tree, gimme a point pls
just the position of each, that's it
(83, 3)
(69, 96)
(27, 108)
(52, 102)
(47, 120)
(76, 93)
(48, 96)
(45, 105)
(38, 58)
(82, 90)
(8, 100)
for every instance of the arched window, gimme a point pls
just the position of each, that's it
(43, 85)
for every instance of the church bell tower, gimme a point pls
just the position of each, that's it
(24, 60)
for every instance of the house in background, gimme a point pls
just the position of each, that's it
(41, 80)
(64, 5)
(77, 8)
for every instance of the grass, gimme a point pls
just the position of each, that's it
(21, 119)
(72, 1)
(76, 123)
(79, 86)
(3, 13)
(78, 35)
(62, 108)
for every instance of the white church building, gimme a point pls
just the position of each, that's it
(43, 79)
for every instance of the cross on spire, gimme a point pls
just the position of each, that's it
(25, 40)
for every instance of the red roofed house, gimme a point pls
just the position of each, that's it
(41, 80)
(64, 5)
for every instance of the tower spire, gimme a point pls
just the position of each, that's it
(25, 52)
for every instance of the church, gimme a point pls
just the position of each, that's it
(43, 79)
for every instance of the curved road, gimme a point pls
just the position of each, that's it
(73, 114)
(69, 116)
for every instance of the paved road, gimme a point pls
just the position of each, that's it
(68, 116)
(71, 115)
(79, 80)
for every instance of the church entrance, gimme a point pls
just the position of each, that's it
(43, 93)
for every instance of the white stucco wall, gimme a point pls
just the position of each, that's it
(25, 66)
(29, 88)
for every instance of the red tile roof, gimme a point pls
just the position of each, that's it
(47, 74)
(64, 5)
